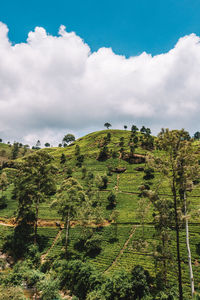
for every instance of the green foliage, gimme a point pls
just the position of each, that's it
(80, 278)
(23, 272)
(49, 288)
(11, 293)
(111, 200)
(15, 150)
(119, 249)
(140, 282)
(68, 138)
(33, 185)
(80, 159)
(119, 286)
(197, 135)
(101, 181)
(134, 129)
(84, 172)
(77, 150)
(3, 202)
(69, 172)
(103, 154)
(62, 159)
(149, 174)
(107, 125)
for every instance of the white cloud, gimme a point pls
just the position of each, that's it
(52, 85)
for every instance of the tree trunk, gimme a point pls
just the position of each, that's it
(67, 225)
(36, 221)
(177, 241)
(164, 261)
(188, 247)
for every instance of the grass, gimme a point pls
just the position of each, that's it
(126, 186)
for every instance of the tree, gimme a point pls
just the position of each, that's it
(79, 277)
(69, 200)
(118, 286)
(49, 288)
(3, 182)
(3, 186)
(38, 145)
(108, 138)
(80, 159)
(69, 172)
(143, 129)
(107, 125)
(47, 145)
(140, 282)
(162, 220)
(33, 185)
(103, 154)
(11, 292)
(197, 135)
(62, 159)
(125, 127)
(134, 129)
(15, 150)
(68, 138)
(179, 165)
(25, 149)
(77, 150)
(0, 140)
(101, 181)
(111, 200)
(121, 143)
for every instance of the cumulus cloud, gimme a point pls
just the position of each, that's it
(52, 85)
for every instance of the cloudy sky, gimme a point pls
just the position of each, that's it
(56, 79)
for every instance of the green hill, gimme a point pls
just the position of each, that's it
(126, 241)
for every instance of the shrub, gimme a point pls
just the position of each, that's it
(111, 200)
(11, 292)
(103, 154)
(3, 203)
(80, 278)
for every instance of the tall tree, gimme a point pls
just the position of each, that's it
(33, 185)
(179, 165)
(69, 201)
(162, 216)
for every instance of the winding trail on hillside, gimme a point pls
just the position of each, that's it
(122, 250)
(43, 256)
(7, 224)
(117, 185)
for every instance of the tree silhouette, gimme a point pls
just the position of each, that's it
(107, 125)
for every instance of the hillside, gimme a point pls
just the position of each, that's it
(127, 239)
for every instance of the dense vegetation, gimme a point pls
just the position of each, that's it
(99, 217)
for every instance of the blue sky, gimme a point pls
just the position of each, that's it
(55, 82)
(129, 26)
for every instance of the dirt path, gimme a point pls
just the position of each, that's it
(6, 224)
(122, 250)
(53, 223)
(43, 256)
(117, 185)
